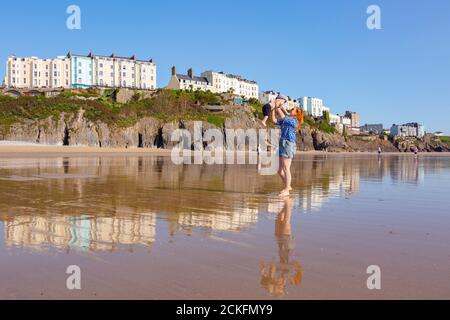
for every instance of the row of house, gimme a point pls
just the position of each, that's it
(217, 82)
(86, 71)
(79, 71)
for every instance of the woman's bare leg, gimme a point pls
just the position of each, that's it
(281, 172)
(288, 176)
(286, 169)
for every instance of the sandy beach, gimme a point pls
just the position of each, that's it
(33, 150)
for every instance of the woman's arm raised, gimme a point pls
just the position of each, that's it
(281, 114)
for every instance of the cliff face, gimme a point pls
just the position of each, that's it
(427, 144)
(148, 132)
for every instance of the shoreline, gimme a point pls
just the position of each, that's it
(15, 150)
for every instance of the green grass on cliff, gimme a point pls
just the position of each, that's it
(166, 105)
(445, 139)
(320, 124)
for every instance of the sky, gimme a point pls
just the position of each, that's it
(319, 48)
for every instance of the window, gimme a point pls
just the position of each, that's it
(100, 73)
(35, 73)
(79, 64)
(101, 65)
(55, 74)
(46, 74)
(80, 71)
(124, 83)
(112, 74)
(124, 74)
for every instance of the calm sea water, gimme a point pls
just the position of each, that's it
(142, 227)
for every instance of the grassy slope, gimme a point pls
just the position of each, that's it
(165, 105)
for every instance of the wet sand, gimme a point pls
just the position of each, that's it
(14, 150)
(141, 227)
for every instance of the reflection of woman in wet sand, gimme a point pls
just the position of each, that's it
(275, 278)
(289, 124)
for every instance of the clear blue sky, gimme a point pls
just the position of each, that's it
(316, 47)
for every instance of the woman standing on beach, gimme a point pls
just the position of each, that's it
(290, 124)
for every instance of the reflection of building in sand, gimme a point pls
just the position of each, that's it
(81, 233)
(407, 171)
(344, 181)
(225, 221)
(95, 203)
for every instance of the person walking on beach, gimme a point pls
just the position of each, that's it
(279, 101)
(379, 151)
(290, 124)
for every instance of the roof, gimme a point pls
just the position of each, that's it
(112, 56)
(194, 78)
(233, 76)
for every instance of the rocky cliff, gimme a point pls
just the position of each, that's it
(75, 129)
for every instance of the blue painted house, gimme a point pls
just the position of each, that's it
(82, 73)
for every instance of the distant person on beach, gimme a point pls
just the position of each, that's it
(290, 125)
(279, 101)
(379, 151)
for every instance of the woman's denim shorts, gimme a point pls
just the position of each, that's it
(287, 149)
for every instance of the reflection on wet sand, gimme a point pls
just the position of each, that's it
(111, 204)
(275, 276)
(81, 233)
(101, 203)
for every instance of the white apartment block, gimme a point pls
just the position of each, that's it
(121, 72)
(408, 130)
(313, 106)
(32, 72)
(78, 71)
(222, 83)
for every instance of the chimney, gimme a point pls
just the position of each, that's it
(190, 73)
(174, 71)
